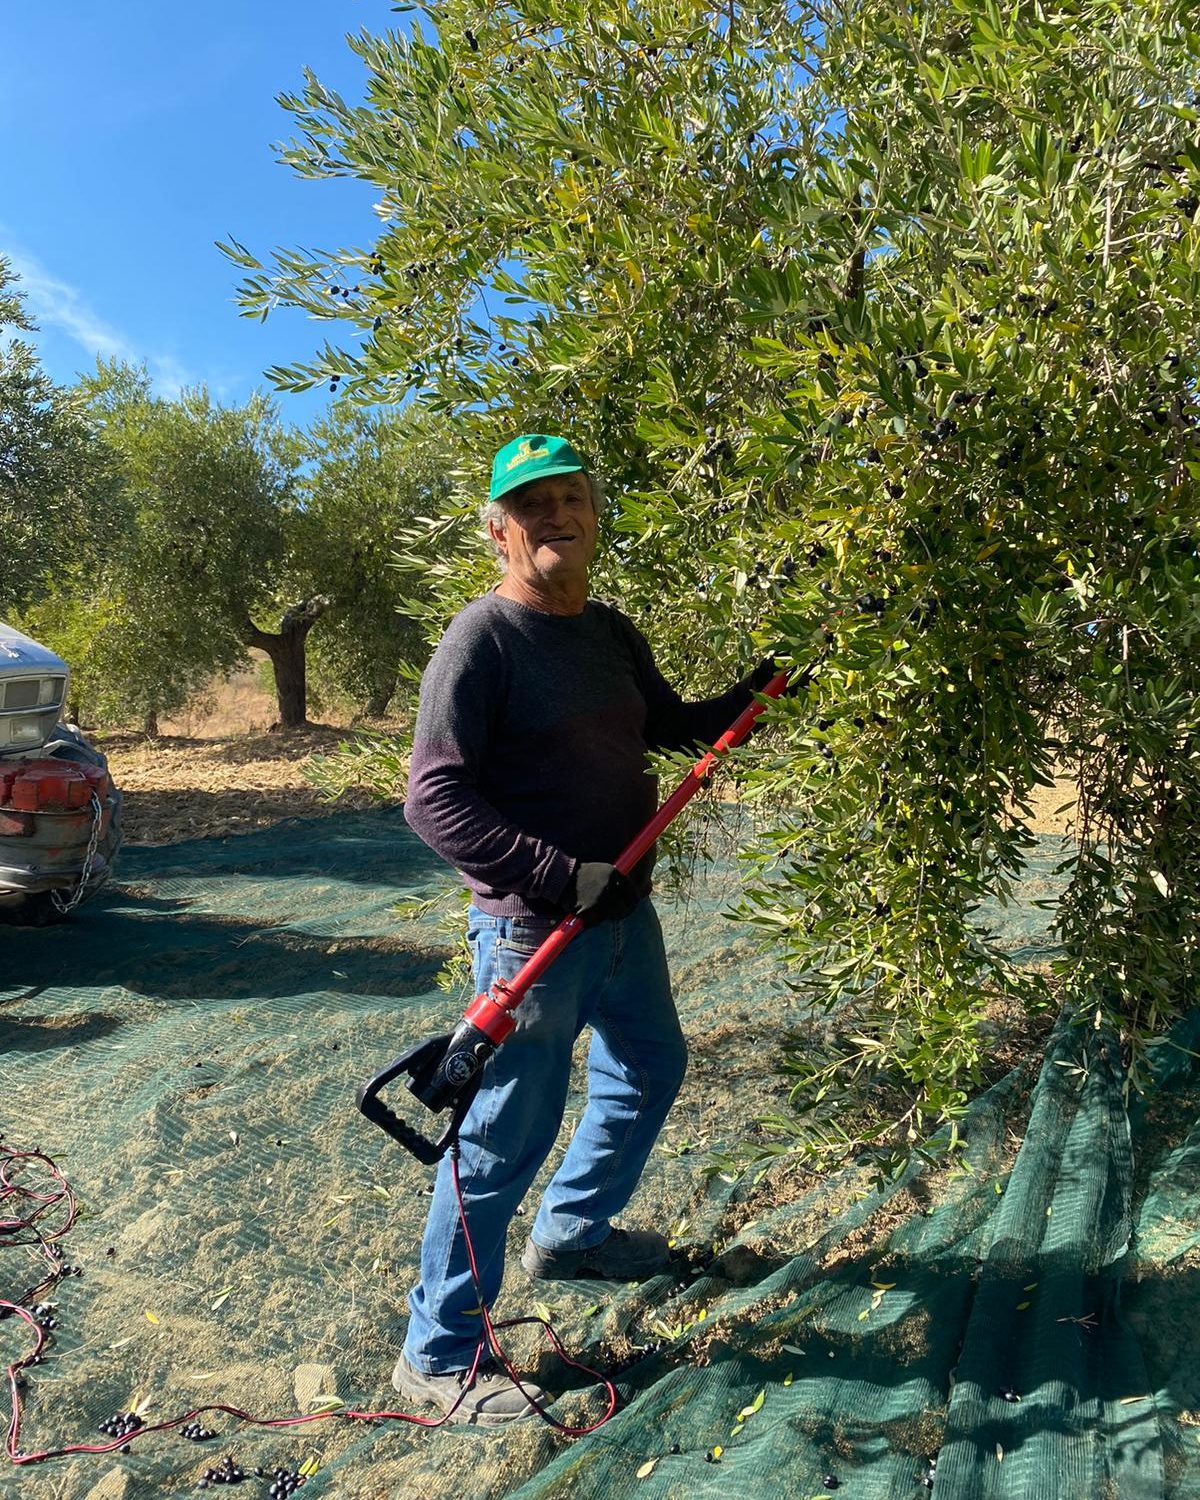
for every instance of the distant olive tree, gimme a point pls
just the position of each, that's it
(369, 477)
(209, 491)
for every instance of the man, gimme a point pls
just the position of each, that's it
(528, 775)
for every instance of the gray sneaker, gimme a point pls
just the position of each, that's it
(626, 1255)
(490, 1399)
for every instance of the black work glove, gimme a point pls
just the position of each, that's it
(598, 892)
(767, 668)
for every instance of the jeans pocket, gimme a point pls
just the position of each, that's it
(525, 937)
(481, 924)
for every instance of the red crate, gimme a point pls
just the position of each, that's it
(50, 784)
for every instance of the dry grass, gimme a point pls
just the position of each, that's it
(1055, 809)
(238, 706)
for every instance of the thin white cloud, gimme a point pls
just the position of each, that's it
(170, 376)
(52, 302)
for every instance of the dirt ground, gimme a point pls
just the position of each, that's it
(224, 770)
(190, 787)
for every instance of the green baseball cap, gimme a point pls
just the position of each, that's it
(534, 455)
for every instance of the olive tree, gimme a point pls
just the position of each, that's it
(210, 494)
(879, 317)
(240, 534)
(369, 477)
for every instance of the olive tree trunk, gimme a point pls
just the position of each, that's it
(381, 695)
(286, 650)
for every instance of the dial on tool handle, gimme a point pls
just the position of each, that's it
(445, 1071)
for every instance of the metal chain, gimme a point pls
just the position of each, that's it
(76, 896)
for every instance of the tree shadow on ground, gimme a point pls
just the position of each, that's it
(20, 1034)
(166, 952)
(374, 847)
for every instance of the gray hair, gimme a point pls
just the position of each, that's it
(493, 512)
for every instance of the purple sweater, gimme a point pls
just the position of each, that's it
(530, 747)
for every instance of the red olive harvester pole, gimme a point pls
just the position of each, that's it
(445, 1072)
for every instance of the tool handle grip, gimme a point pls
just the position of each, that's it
(388, 1121)
(425, 1065)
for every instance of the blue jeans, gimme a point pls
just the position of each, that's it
(614, 978)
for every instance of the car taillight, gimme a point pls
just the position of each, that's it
(51, 786)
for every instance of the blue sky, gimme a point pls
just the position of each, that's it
(136, 134)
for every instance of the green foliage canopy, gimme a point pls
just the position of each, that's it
(59, 493)
(370, 477)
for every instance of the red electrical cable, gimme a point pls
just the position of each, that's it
(57, 1196)
(489, 1334)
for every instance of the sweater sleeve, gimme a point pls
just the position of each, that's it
(672, 723)
(460, 696)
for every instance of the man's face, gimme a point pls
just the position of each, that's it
(549, 530)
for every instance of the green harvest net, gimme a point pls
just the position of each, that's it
(188, 1050)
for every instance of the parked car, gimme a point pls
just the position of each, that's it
(60, 814)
